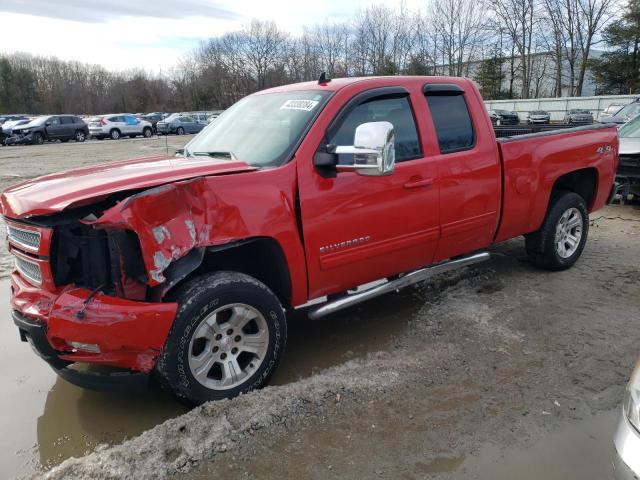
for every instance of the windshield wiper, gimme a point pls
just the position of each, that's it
(227, 155)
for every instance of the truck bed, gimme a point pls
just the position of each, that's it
(533, 162)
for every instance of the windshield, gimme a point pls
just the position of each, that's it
(630, 129)
(538, 112)
(630, 110)
(261, 130)
(39, 120)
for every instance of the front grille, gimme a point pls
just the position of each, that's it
(29, 270)
(25, 238)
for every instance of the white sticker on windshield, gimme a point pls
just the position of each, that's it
(306, 105)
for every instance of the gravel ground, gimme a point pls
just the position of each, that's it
(501, 354)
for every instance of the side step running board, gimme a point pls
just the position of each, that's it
(390, 286)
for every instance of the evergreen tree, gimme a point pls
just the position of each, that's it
(618, 71)
(490, 78)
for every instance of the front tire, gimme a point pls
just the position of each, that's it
(558, 244)
(180, 131)
(38, 138)
(228, 337)
(147, 132)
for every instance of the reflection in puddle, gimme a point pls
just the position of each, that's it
(74, 420)
(439, 465)
(582, 450)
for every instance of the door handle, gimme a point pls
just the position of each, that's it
(425, 182)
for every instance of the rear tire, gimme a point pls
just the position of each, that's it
(559, 242)
(147, 133)
(180, 131)
(80, 136)
(114, 134)
(227, 338)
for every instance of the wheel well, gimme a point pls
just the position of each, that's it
(583, 182)
(261, 258)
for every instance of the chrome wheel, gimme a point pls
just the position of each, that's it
(80, 137)
(568, 232)
(228, 346)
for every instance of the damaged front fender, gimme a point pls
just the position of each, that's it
(170, 221)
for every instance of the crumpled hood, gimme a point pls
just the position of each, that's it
(53, 193)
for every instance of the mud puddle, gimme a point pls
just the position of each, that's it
(580, 451)
(51, 420)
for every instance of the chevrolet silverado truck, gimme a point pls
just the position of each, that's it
(320, 195)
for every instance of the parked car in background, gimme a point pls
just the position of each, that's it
(153, 119)
(626, 113)
(214, 115)
(48, 128)
(116, 125)
(538, 116)
(8, 126)
(179, 124)
(609, 112)
(8, 118)
(578, 115)
(504, 117)
(202, 117)
(626, 440)
(628, 172)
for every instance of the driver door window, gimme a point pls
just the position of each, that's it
(397, 111)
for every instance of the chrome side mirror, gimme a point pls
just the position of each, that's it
(373, 150)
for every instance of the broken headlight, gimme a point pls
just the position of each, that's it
(632, 399)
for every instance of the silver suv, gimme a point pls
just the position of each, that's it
(118, 125)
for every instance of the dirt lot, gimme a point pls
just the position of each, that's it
(497, 371)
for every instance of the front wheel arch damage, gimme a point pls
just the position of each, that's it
(177, 241)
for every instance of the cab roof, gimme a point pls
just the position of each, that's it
(336, 84)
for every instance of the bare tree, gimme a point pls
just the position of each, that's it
(592, 17)
(519, 19)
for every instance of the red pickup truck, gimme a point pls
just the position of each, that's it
(184, 266)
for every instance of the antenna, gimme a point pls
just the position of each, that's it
(324, 78)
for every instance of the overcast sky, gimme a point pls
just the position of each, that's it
(121, 34)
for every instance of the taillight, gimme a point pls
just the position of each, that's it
(102, 122)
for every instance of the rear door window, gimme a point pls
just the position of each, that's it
(452, 122)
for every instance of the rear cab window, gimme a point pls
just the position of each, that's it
(451, 119)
